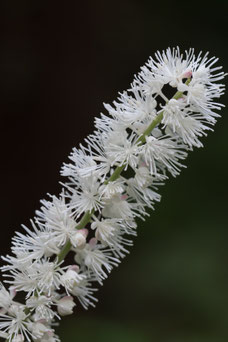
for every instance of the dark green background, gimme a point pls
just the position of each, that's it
(59, 61)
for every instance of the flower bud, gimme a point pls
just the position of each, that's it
(66, 305)
(187, 74)
(79, 238)
(71, 278)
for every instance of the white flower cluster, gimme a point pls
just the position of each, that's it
(112, 180)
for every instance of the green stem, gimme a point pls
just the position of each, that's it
(179, 94)
(65, 250)
(85, 219)
(142, 139)
(115, 174)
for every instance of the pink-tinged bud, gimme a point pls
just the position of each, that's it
(69, 278)
(74, 268)
(124, 197)
(187, 74)
(79, 238)
(66, 305)
(84, 231)
(93, 242)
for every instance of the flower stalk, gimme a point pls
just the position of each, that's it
(95, 214)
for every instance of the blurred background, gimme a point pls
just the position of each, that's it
(59, 62)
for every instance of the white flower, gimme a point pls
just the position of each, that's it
(23, 277)
(96, 146)
(180, 121)
(163, 152)
(71, 277)
(104, 230)
(110, 232)
(83, 164)
(16, 325)
(111, 189)
(96, 259)
(42, 276)
(200, 97)
(144, 195)
(47, 276)
(143, 177)
(84, 292)
(57, 218)
(132, 109)
(42, 307)
(122, 151)
(6, 298)
(35, 244)
(169, 67)
(119, 207)
(19, 262)
(85, 195)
